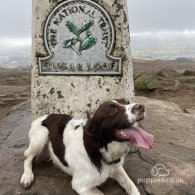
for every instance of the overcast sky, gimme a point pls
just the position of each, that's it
(145, 15)
(15, 18)
(161, 15)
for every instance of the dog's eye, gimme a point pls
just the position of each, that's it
(112, 110)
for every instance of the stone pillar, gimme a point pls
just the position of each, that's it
(80, 55)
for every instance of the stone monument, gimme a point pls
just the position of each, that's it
(80, 55)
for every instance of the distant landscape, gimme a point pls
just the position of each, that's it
(19, 58)
(163, 45)
(166, 46)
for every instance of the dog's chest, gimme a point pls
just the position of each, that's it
(114, 151)
(76, 155)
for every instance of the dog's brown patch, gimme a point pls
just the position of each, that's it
(56, 124)
(99, 130)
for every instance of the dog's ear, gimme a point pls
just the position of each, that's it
(91, 139)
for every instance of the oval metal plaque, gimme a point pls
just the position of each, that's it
(79, 37)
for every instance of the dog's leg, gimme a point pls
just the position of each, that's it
(28, 176)
(38, 137)
(123, 179)
(92, 191)
(83, 187)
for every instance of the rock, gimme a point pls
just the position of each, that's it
(19, 106)
(187, 80)
(177, 84)
(2, 103)
(174, 147)
(2, 96)
(168, 73)
(137, 75)
(189, 111)
(146, 82)
(164, 106)
(11, 79)
(164, 80)
(169, 84)
(189, 73)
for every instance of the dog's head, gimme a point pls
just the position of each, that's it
(114, 121)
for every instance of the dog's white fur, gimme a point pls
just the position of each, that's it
(85, 176)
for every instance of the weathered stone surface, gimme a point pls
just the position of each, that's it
(189, 73)
(77, 93)
(2, 103)
(187, 80)
(174, 148)
(165, 80)
(189, 111)
(169, 84)
(14, 88)
(166, 72)
(164, 106)
(146, 82)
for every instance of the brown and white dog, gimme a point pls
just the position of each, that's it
(90, 150)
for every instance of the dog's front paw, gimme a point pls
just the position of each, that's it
(27, 179)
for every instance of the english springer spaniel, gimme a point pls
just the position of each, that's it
(90, 150)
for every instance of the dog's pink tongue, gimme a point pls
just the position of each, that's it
(142, 138)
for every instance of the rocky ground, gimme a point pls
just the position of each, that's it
(171, 81)
(14, 88)
(173, 126)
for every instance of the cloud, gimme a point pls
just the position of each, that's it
(15, 18)
(13, 43)
(144, 16)
(164, 33)
(161, 15)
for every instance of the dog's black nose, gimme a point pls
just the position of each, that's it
(138, 108)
